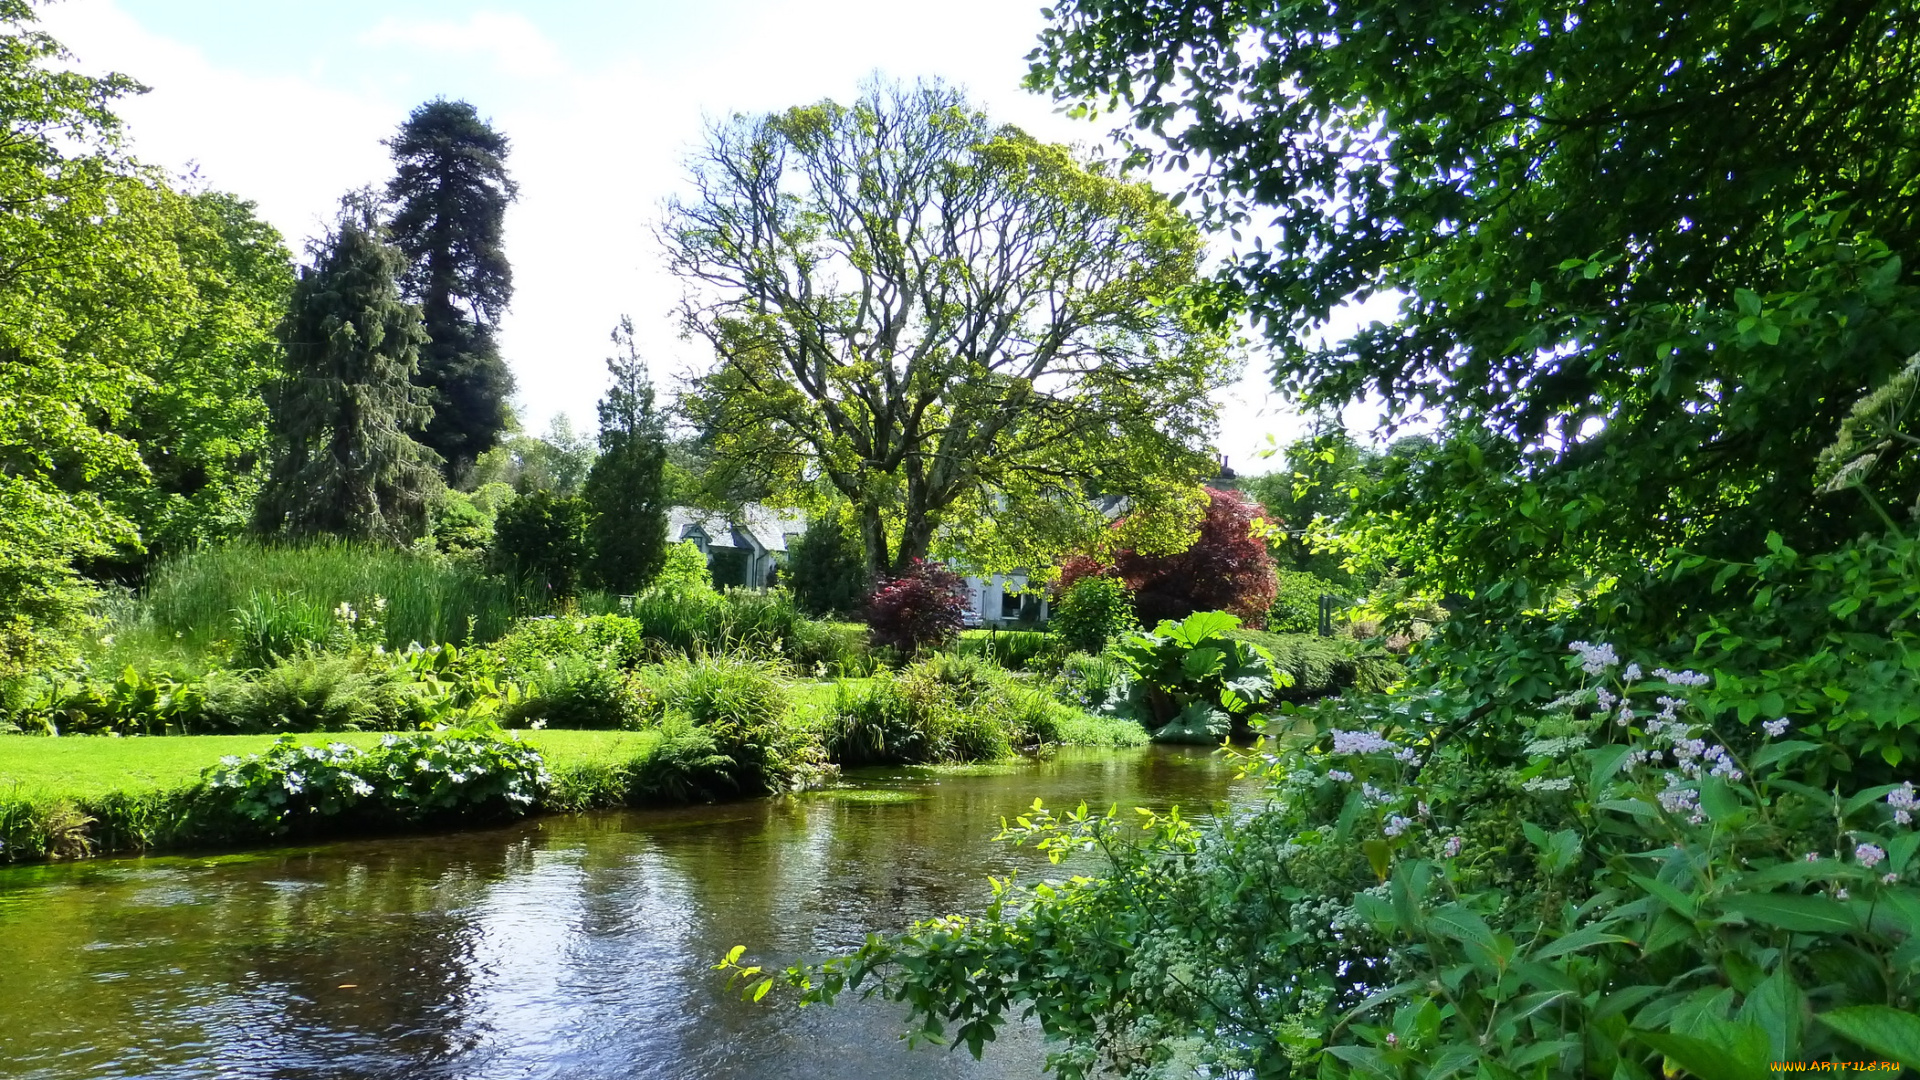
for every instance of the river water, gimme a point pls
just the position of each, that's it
(574, 948)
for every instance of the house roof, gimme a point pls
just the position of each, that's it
(751, 524)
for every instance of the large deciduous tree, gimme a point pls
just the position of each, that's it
(1650, 252)
(626, 488)
(964, 332)
(345, 410)
(451, 191)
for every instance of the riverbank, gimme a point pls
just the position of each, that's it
(82, 796)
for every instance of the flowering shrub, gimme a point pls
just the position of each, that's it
(407, 779)
(926, 605)
(1092, 612)
(1613, 887)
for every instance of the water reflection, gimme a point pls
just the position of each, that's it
(571, 947)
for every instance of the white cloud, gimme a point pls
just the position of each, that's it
(511, 42)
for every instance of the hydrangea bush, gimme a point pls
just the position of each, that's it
(477, 772)
(1612, 887)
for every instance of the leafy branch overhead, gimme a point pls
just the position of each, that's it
(944, 321)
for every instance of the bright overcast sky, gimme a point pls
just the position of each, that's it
(286, 103)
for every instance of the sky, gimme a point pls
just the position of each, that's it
(286, 104)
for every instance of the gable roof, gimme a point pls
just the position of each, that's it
(750, 525)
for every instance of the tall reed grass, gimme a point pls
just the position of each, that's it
(219, 594)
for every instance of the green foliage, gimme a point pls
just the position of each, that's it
(731, 708)
(1093, 612)
(541, 539)
(1296, 607)
(625, 491)
(558, 461)
(1193, 682)
(573, 692)
(1666, 371)
(1031, 340)
(1606, 886)
(826, 568)
(188, 607)
(344, 411)
(685, 570)
(450, 193)
(1015, 650)
(950, 709)
(471, 774)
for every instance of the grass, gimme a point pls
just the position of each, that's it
(189, 607)
(89, 767)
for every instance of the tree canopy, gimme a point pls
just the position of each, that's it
(1650, 253)
(626, 488)
(345, 410)
(451, 191)
(946, 322)
(135, 326)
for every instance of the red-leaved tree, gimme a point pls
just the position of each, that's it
(1227, 568)
(926, 605)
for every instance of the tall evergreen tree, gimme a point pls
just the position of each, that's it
(451, 192)
(344, 412)
(626, 490)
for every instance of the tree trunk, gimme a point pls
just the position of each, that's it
(873, 537)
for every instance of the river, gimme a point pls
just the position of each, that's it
(573, 948)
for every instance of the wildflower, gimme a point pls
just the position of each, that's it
(1676, 798)
(1904, 803)
(1374, 796)
(1813, 856)
(1454, 844)
(1605, 698)
(1397, 825)
(1682, 678)
(1840, 893)
(1393, 1039)
(1776, 728)
(1360, 742)
(1405, 753)
(1340, 775)
(1869, 855)
(1595, 659)
(538, 724)
(358, 786)
(230, 760)
(1888, 879)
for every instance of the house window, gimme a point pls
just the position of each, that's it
(1009, 603)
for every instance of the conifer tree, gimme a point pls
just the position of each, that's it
(344, 412)
(626, 490)
(450, 195)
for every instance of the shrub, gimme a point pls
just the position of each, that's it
(1193, 683)
(1093, 682)
(948, 709)
(1227, 568)
(1296, 603)
(532, 644)
(578, 693)
(684, 570)
(832, 649)
(826, 568)
(409, 779)
(925, 606)
(541, 539)
(1015, 650)
(316, 693)
(741, 703)
(1611, 887)
(1093, 612)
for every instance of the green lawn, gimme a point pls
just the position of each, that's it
(81, 766)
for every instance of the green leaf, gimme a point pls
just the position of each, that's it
(1583, 938)
(1773, 753)
(1668, 895)
(1881, 1029)
(1712, 1059)
(1805, 914)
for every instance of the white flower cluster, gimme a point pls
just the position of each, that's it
(1541, 783)
(1869, 855)
(1360, 742)
(1595, 659)
(1775, 728)
(1397, 824)
(1904, 803)
(1681, 800)
(1682, 678)
(1454, 844)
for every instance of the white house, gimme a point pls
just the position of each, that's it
(742, 548)
(755, 539)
